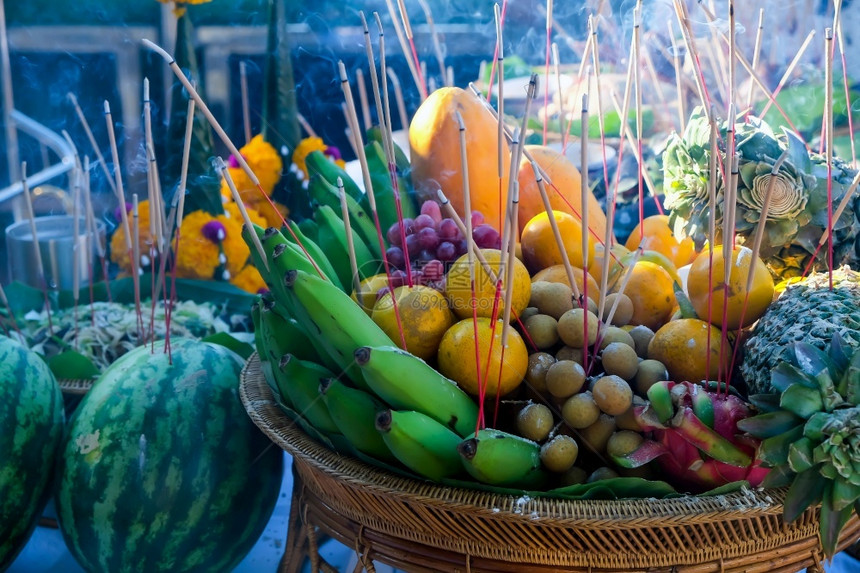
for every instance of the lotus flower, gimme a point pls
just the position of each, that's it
(695, 437)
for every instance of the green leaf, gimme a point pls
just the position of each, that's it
(781, 476)
(72, 365)
(774, 451)
(784, 375)
(806, 490)
(765, 402)
(800, 456)
(797, 153)
(832, 522)
(812, 360)
(801, 400)
(243, 349)
(844, 494)
(280, 108)
(769, 424)
(730, 487)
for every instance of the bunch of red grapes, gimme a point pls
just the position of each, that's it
(433, 243)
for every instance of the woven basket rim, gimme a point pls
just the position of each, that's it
(259, 402)
(75, 385)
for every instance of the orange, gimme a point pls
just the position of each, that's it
(558, 274)
(434, 141)
(459, 291)
(616, 258)
(367, 289)
(655, 257)
(699, 288)
(565, 193)
(651, 290)
(682, 347)
(658, 236)
(540, 249)
(456, 357)
(424, 317)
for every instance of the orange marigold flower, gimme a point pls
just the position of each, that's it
(231, 209)
(273, 216)
(197, 256)
(305, 148)
(179, 5)
(233, 245)
(264, 161)
(249, 279)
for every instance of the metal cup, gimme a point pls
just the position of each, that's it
(61, 251)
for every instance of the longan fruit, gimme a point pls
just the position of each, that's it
(573, 476)
(597, 434)
(649, 373)
(559, 454)
(619, 359)
(627, 420)
(553, 299)
(623, 312)
(542, 329)
(601, 474)
(610, 334)
(535, 422)
(570, 353)
(539, 363)
(580, 411)
(592, 306)
(612, 395)
(642, 336)
(571, 328)
(528, 311)
(624, 442)
(565, 378)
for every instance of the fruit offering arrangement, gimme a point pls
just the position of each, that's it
(546, 357)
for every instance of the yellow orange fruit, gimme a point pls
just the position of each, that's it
(541, 250)
(650, 288)
(682, 347)
(457, 361)
(459, 292)
(565, 192)
(616, 257)
(424, 317)
(434, 141)
(658, 236)
(365, 297)
(702, 284)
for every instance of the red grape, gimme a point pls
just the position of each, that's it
(431, 208)
(424, 222)
(412, 245)
(446, 251)
(448, 230)
(398, 278)
(477, 219)
(434, 270)
(382, 292)
(395, 257)
(393, 234)
(462, 245)
(486, 237)
(427, 238)
(425, 256)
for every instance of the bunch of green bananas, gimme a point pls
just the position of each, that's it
(343, 380)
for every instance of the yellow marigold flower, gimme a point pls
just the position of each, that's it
(249, 279)
(118, 250)
(197, 256)
(273, 216)
(179, 5)
(233, 245)
(264, 161)
(231, 209)
(303, 149)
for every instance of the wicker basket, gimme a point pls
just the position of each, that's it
(76, 387)
(419, 526)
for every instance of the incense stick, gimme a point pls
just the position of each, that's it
(556, 64)
(12, 153)
(306, 126)
(37, 251)
(756, 54)
(246, 104)
(676, 61)
(85, 124)
(828, 116)
(732, 53)
(412, 64)
(624, 281)
(437, 45)
(398, 97)
(546, 68)
(222, 168)
(76, 268)
(118, 176)
(454, 216)
(595, 60)
(789, 70)
(362, 98)
(500, 104)
(135, 264)
(584, 194)
(712, 220)
(762, 221)
(350, 245)
(556, 232)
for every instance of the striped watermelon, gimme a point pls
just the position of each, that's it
(31, 430)
(162, 470)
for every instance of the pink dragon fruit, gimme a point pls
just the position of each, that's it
(695, 438)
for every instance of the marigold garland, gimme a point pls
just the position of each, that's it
(197, 256)
(249, 279)
(309, 145)
(118, 252)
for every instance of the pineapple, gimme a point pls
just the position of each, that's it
(810, 432)
(807, 311)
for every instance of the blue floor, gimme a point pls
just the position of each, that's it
(46, 552)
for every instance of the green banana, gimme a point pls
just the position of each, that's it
(334, 320)
(258, 332)
(420, 443)
(326, 193)
(374, 134)
(320, 165)
(406, 382)
(309, 228)
(333, 241)
(498, 458)
(316, 253)
(284, 335)
(299, 380)
(354, 413)
(383, 189)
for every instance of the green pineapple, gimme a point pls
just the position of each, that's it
(807, 311)
(810, 432)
